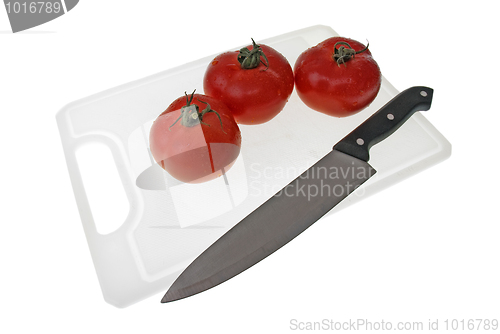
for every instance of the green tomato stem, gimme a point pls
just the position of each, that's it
(251, 58)
(191, 116)
(345, 52)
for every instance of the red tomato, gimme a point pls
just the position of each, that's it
(255, 82)
(196, 139)
(337, 85)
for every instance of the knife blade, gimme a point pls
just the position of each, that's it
(301, 203)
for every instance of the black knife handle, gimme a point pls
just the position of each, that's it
(385, 121)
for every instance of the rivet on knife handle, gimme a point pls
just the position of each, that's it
(385, 121)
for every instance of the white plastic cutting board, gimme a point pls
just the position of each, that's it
(166, 223)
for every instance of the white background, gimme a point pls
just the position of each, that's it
(427, 248)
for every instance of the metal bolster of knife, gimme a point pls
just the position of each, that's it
(385, 122)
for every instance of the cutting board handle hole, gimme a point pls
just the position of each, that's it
(104, 190)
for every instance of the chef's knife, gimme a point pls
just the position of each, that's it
(301, 203)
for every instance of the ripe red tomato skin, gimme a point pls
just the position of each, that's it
(199, 153)
(255, 95)
(336, 90)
